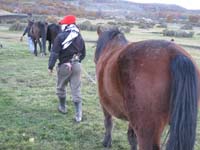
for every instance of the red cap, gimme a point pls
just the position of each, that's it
(70, 19)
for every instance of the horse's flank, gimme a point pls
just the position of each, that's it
(111, 71)
(105, 83)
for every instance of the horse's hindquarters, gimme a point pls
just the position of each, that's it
(145, 79)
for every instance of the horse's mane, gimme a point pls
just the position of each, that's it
(106, 37)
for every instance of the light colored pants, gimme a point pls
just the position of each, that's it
(73, 77)
(30, 44)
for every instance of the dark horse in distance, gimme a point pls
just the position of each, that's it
(52, 32)
(150, 84)
(39, 30)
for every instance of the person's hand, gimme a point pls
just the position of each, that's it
(21, 38)
(69, 65)
(50, 71)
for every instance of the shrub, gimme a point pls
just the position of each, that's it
(162, 25)
(125, 29)
(112, 23)
(145, 25)
(177, 33)
(17, 27)
(121, 28)
(52, 19)
(87, 25)
(187, 27)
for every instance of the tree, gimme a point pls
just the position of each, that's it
(194, 18)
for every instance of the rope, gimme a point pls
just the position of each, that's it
(165, 139)
(89, 77)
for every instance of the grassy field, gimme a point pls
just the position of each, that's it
(28, 105)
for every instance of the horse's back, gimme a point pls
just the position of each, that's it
(39, 29)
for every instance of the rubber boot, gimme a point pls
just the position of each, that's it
(61, 107)
(78, 108)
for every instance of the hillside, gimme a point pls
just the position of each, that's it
(131, 9)
(95, 8)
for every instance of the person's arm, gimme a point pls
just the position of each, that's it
(24, 33)
(54, 53)
(83, 51)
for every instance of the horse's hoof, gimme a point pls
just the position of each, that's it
(107, 143)
(43, 54)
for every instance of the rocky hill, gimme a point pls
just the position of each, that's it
(126, 8)
(95, 8)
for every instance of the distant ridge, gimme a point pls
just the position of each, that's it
(124, 8)
(80, 8)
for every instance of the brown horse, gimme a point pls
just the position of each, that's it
(150, 84)
(39, 30)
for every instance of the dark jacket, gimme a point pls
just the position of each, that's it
(65, 55)
(28, 28)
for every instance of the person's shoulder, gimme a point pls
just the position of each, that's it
(80, 37)
(60, 35)
(63, 34)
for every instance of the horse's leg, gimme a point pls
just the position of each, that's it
(35, 45)
(149, 137)
(132, 138)
(107, 142)
(145, 139)
(44, 37)
(40, 44)
(49, 48)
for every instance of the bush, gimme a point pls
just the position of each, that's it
(126, 24)
(145, 25)
(123, 26)
(17, 27)
(87, 25)
(52, 19)
(177, 33)
(162, 25)
(112, 23)
(187, 27)
(125, 29)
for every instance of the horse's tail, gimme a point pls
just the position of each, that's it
(183, 104)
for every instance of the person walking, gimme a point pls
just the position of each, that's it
(69, 48)
(27, 31)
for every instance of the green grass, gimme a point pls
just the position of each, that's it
(28, 105)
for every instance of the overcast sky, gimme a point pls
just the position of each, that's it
(189, 4)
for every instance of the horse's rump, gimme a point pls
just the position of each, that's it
(52, 31)
(149, 83)
(39, 30)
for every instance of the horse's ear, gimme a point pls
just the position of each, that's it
(99, 30)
